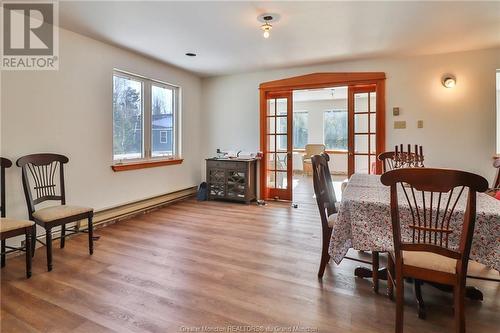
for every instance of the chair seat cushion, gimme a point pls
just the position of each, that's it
(11, 224)
(429, 260)
(54, 213)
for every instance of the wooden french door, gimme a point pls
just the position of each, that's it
(364, 130)
(277, 162)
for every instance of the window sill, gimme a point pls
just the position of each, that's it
(145, 164)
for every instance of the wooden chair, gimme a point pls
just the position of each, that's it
(46, 172)
(328, 209)
(387, 159)
(309, 151)
(422, 247)
(12, 228)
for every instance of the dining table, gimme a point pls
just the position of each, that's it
(364, 223)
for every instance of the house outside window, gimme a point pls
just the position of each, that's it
(335, 129)
(145, 118)
(300, 129)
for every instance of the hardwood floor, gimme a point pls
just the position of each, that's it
(213, 264)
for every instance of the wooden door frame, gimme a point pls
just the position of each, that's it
(283, 194)
(351, 91)
(320, 80)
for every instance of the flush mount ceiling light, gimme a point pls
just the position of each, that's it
(449, 81)
(267, 19)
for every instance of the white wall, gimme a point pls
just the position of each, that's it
(459, 123)
(70, 112)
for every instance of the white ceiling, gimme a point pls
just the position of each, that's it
(227, 38)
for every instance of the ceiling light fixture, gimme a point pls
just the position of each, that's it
(266, 27)
(267, 19)
(449, 81)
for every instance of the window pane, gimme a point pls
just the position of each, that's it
(271, 141)
(271, 165)
(281, 161)
(271, 123)
(361, 123)
(300, 129)
(281, 142)
(335, 130)
(162, 121)
(361, 164)
(281, 106)
(127, 119)
(281, 123)
(271, 107)
(361, 102)
(281, 180)
(373, 122)
(361, 143)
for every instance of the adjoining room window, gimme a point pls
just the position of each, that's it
(300, 129)
(335, 129)
(144, 118)
(163, 136)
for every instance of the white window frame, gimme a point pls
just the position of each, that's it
(147, 131)
(161, 139)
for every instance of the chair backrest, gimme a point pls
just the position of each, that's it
(323, 187)
(43, 178)
(4, 163)
(431, 197)
(387, 159)
(496, 164)
(314, 149)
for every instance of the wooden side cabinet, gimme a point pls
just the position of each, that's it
(232, 179)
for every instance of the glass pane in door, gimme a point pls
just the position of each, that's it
(278, 152)
(363, 115)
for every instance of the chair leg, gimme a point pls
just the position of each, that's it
(33, 240)
(48, 240)
(325, 256)
(28, 252)
(375, 266)
(400, 297)
(418, 296)
(459, 296)
(390, 277)
(63, 236)
(3, 253)
(91, 235)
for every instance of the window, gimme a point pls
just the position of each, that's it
(300, 130)
(335, 129)
(144, 118)
(163, 136)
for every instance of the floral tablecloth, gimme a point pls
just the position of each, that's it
(364, 223)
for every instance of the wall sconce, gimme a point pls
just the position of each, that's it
(449, 81)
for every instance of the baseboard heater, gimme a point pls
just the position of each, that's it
(124, 211)
(128, 210)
